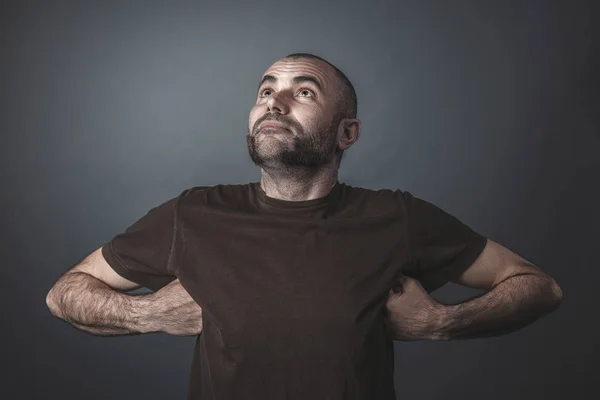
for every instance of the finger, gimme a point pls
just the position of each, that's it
(398, 288)
(406, 281)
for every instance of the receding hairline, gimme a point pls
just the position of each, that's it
(311, 76)
(344, 88)
(330, 69)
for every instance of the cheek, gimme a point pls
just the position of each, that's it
(253, 115)
(306, 118)
(312, 118)
(310, 123)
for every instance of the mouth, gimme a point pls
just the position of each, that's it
(273, 125)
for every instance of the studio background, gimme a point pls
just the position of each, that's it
(490, 110)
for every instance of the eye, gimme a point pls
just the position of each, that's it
(312, 94)
(307, 90)
(262, 91)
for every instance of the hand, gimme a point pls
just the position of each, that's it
(174, 311)
(410, 313)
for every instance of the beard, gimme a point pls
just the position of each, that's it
(305, 150)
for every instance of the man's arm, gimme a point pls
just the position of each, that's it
(89, 296)
(518, 293)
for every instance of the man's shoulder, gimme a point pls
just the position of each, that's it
(371, 201)
(379, 194)
(195, 190)
(371, 191)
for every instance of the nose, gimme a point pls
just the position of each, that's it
(276, 103)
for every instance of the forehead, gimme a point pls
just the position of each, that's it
(287, 69)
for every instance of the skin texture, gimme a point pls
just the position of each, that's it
(299, 160)
(89, 297)
(517, 293)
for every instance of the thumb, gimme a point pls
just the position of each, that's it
(398, 286)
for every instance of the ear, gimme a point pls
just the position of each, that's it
(348, 132)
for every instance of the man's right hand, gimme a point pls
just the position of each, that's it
(89, 297)
(173, 311)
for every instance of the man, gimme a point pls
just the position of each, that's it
(299, 283)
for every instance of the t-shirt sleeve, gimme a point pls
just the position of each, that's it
(440, 246)
(141, 253)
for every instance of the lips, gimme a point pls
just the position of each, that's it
(271, 124)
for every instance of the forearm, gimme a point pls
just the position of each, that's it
(105, 330)
(512, 304)
(92, 306)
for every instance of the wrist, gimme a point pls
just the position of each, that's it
(141, 314)
(442, 322)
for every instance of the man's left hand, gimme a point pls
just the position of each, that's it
(410, 313)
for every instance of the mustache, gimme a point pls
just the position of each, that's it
(275, 117)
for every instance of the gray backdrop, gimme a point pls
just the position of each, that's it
(488, 110)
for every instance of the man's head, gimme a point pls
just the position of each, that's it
(315, 105)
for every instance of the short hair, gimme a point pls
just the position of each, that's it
(346, 95)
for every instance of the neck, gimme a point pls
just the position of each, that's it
(298, 187)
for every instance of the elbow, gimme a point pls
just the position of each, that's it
(556, 295)
(52, 303)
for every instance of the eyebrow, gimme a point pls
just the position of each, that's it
(297, 79)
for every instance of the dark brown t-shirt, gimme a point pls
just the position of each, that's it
(292, 292)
